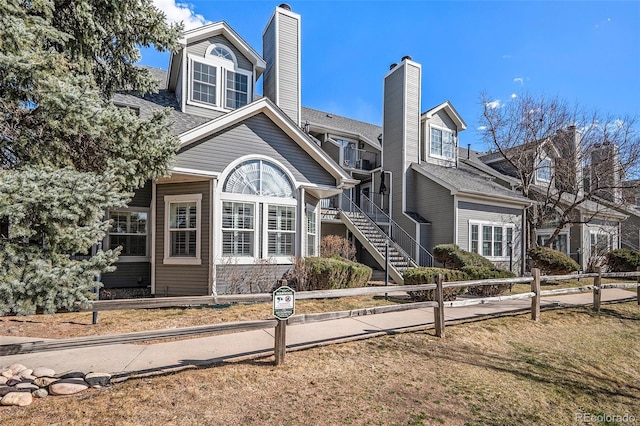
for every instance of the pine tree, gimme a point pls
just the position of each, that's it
(67, 154)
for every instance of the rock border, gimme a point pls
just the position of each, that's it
(19, 385)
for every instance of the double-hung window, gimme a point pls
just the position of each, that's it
(442, 143)
(182, 228)
(216, 80)
(238, 224)
(281, 230)
(129, 231)
(491, 240)
(311, 231)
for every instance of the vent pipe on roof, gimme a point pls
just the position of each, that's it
(407, 57)
(468, 151)
(392, 66)
(285, 7)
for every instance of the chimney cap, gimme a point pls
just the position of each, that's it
(392, 66)
(285, 7)
(407, 57)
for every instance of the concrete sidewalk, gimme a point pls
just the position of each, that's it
(128, 360)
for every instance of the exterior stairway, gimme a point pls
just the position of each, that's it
(374, 240)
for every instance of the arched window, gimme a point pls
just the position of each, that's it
(261, 222)
(222, 52)
(217, 81)
(259, 177)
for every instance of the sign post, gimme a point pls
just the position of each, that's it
(284, 306)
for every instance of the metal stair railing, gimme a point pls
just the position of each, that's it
(420, 255)
(353, 208)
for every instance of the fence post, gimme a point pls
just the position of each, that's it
(280, 341)
(535, 300)
(597, 292)
(439, 310)
(638, 287)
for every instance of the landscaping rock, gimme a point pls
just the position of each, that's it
(26, 373)
(43, 382)
(72, 375)
(40, 393)
(101, 379)
(3, 380)
(5, 390)
(43, 372)
(21, 399)
(26, 385)
(68, 386)
(6, 373)
(17, 368)
(14, 380)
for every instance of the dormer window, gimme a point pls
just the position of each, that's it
(443, 143)
(216, 80)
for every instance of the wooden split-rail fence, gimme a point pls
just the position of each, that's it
(438, 306)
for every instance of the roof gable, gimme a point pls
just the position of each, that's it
(280, 119)
(451, 112)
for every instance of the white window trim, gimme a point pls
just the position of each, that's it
(132, 259)
(539, 167)
(311, 209)
(221, 65)
(443, 130)
(254, 253)
(186, 198)
(260, 228)
(547, 232)
(266, 231)
(505, 250)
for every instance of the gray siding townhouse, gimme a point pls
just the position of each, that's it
(246, 185)
(258, 180)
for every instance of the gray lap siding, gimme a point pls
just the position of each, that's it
(182, 280)
(256, 135)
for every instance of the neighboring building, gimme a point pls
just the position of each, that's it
(557, 174)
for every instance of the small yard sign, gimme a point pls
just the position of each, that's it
(284, 302)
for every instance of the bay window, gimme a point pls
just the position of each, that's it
(259, 212)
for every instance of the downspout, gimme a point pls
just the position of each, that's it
(153, 237)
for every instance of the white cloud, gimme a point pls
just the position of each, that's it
(494, 104)
(481, 128)
(180, 12)
(519, 80)
(507, 56)
(513, 96)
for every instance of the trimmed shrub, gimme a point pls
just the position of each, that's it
(327, 273)
(552, 262)
(481, 273)
(415, 276)
(331, 245)
(623, 260)
(453, 257)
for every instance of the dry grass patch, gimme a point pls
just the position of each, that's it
(504, 371)
(62, 326)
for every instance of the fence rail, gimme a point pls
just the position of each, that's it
(438, 306)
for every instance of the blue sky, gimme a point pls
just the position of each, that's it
(585, 52)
